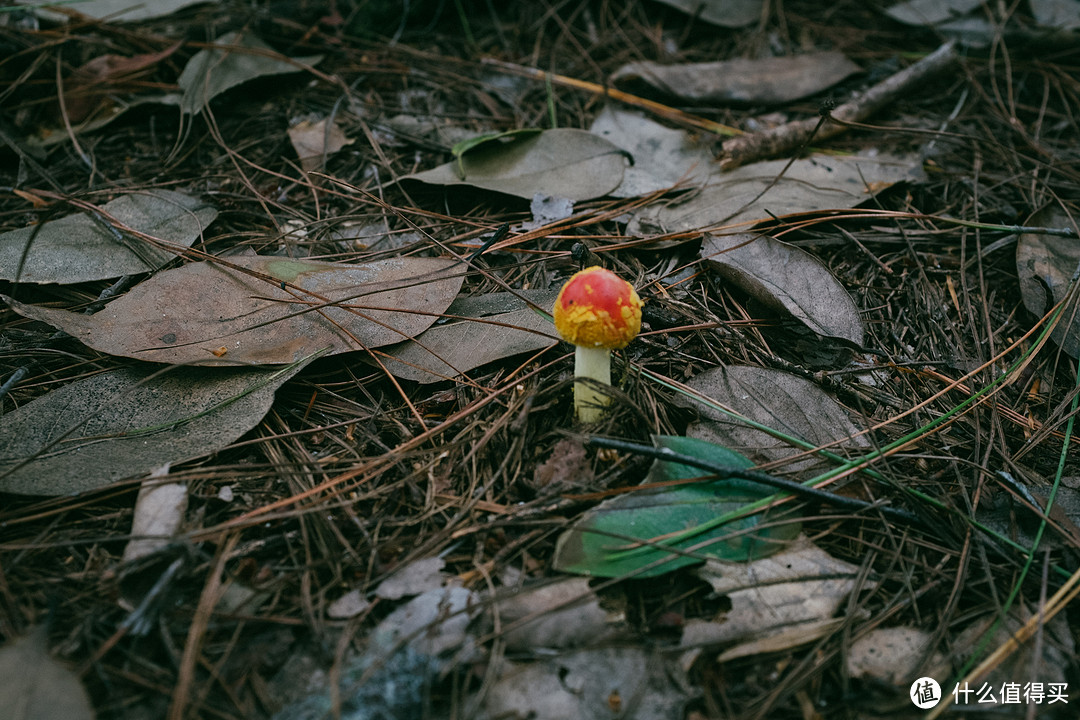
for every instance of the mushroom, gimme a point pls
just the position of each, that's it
(597, 311)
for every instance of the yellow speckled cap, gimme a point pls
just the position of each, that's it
(597, 308)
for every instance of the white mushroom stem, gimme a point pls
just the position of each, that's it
(591, 363)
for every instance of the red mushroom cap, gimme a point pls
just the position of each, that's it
(597, 308)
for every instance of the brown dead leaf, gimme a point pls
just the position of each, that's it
(313, 142)
(777, 399)
(1047, 263)
(90, 85)
(769, 80)
(186, 315)
(562, 614)
(793, 594)
(788, 279)
(892, 655)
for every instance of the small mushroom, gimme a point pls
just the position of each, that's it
(597, 311)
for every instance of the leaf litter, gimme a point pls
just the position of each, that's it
(264, 310)
(354, 472)
(82, 247)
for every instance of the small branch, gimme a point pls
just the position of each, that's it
(785, 138)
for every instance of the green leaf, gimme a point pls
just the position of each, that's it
(604, 543)
(468, 144)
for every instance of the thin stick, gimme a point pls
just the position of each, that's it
(785, 138)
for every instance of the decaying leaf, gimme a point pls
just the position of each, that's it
(88, 90)
(662, 156)
(788, 279)
(448, 350)
(1060, 14)
(187, 315)
(75, 248)
(776, 399)
(802, 585)
(573, 164)
(768, 80)
(415, 578)
(159, 514)
(930, 12)
(748, 194)
(562, 614)
(118, 11)
(725, 13)
(237, 58)
(36, 687)
(605, 542)
(893, 656)
(1047, 262)
(599, 684)
(314, 141)
(127, 422)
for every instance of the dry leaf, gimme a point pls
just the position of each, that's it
(33, 686)
(313, 142)
(802, 585)
(597, 684)
(561, 614)
(662, 156)
(75, 248)
(235, 59)
(893, 656)
(748, 194)
(118, 11)
(159, 513)
(126, 423)
(777, 399)
(768, 81)
(415, 578)
(574, 164)
(725, 13)
(786, 278)
(448, 350)
(930, 12)
(1048, 262)
(91, 86)
(185, 315)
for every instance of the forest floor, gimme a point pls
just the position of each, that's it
(290, 434)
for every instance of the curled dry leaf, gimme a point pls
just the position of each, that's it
(1047, 262)
(776, 399)
(786, 278)
(76, 248)
(313, 141)
(127, 422)
(801, 585)
(769, 80)
(188, 315)
(235, 58)
(574, 164)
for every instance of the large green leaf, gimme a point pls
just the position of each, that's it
(605, 542)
